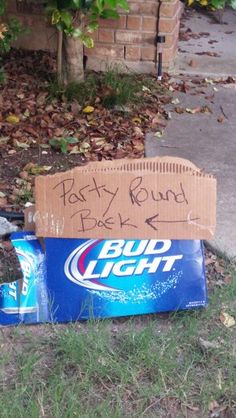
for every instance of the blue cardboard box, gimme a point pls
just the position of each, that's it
(78, 279)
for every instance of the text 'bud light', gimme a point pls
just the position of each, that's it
(107, 278)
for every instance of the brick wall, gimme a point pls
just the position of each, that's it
(130, 40)
(42, 35)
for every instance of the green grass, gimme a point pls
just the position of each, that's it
(145, 366)
(120, 89)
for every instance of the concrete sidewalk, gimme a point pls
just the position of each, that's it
(207, 138)
(206, 46)
(211, 145)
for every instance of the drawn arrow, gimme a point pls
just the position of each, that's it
(154, 220)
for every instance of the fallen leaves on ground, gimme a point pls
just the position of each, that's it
(36, 169)
(209, 53)
(88, 109)
(193, 111)
(13, 119)
(48, 131)
(38, 128)
(187, 34)
(217, 270)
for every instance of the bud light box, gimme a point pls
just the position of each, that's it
(95, 278)
(26, 300)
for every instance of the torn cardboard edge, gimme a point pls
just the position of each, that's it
(164, 164)
(29, 218)
(162, 197)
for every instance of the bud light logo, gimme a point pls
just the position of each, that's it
(26, 264)
(16, 293)
(95, 261)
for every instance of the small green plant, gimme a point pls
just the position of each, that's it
(9, 31)
(67, 14)
(76, 20)
(25, 195)
(83, 92)
(55, 90)
(111, 89)
(63, 144)
(119, 89)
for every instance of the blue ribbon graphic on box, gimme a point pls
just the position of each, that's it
(98, 278)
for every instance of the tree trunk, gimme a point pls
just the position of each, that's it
(59, 56)
(73, 50)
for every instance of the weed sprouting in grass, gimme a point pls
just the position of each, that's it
(27, 365)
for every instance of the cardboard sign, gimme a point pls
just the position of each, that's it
(167, 198)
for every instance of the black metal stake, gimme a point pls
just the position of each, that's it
(160, 40)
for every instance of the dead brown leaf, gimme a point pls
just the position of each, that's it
(138, 145)
(193, 111)
(138, 132)
(193, 63)
(24, 175)
(3, 201)
(228, 279)
(213, 405)
(227, 320)
(207, 345)
(179, 110)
